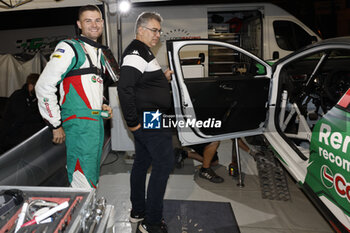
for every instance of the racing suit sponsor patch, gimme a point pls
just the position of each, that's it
(95, 79)
(56, 56)
(48, 110)
(47, 106)
(60, 50)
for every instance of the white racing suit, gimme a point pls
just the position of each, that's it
(75, 68)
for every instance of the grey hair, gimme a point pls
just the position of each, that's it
(145, 17)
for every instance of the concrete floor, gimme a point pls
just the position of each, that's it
(253, 213)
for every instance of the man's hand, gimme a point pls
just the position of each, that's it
(132, 129)
(59, 135)
(168, 74)
(107, 108)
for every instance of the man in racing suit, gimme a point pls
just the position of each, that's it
(76, 66)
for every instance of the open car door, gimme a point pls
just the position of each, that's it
(220, 91)
(307, 102)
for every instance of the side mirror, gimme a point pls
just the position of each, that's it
(202, 57)
(313, 39)
(275, 55)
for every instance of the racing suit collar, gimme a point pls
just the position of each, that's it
(91, 42)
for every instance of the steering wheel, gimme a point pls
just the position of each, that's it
(336, 84)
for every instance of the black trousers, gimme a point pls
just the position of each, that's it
(152, 148)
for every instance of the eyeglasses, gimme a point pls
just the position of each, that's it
(154, 30)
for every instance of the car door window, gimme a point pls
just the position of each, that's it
(199, 61)
(290, 36)
(226, 85)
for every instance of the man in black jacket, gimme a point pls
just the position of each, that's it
(21, 116)
(144, 88)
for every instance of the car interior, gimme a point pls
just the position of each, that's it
(311, 86)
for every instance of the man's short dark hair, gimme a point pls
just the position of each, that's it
(88, 8)
(145, 17)
(32, 78)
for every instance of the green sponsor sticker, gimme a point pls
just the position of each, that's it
(328, 172)
(94, 79)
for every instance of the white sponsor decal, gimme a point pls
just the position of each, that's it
(335, 159)
(334, 139)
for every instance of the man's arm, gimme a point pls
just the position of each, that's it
(58, 135)
(107, 108)
(132, 129)
(46, 88)
(132, 68)
(168, 74)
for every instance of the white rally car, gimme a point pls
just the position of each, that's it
(301, 105)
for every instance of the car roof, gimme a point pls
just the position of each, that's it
(336, 40)
(344, 39)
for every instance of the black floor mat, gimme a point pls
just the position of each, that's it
(273, 181)
(199, 216)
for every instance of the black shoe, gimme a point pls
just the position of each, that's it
(136, 217)
(147, 228)
(180, 156)
(209, 174)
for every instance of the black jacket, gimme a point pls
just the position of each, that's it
(142, 84)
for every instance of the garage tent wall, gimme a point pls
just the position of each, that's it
(13, 72)
(42, 4)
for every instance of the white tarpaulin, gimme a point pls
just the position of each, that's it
(13, 73)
